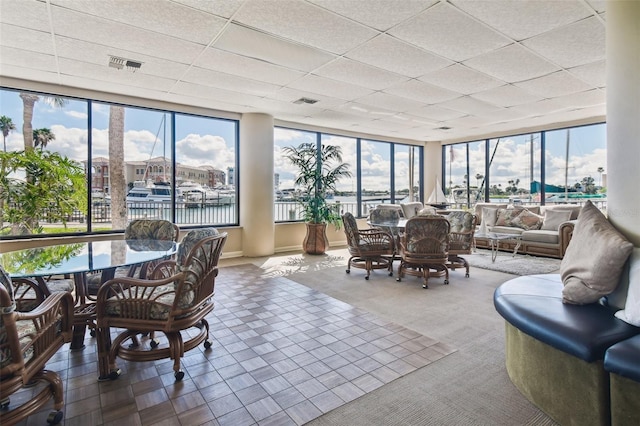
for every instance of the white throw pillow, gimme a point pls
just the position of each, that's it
(554, 218)
(631, 311)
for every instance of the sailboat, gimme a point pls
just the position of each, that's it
(437, 198)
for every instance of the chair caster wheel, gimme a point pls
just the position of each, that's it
(207, 344)
(466, 275)
(348, 271)
(446, 282)
(154, 344)
(179, 375)
(390, 274)
(398, 279)
(55, 417)
(92, 333)
(425, 286)
(4, 404)
(366, 278)
(115, 374)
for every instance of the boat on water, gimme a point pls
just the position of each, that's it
(437, 198)
(196, 195)
(151, 192)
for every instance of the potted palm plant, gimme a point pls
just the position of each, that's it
(319, 170)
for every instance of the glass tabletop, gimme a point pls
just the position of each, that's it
(83, 257)
(498, 236)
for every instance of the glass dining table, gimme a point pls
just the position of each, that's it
(77, 260)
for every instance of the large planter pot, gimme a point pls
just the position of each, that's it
(316, 241)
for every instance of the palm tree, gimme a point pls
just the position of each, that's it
(29, 101)
(42, 137)
(7, 126)
(117, 183)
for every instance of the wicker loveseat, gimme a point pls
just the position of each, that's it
(548, 234)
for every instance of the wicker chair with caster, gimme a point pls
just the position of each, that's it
(369, 248)
(172, 301)
(425, 246)
(463, 227)
(28, 340)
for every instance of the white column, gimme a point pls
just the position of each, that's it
(256, 185)
(623, 117)
(432, 167)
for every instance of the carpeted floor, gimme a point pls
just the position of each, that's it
(520, 264)
(468, 387)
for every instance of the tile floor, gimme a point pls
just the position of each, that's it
(282, 354)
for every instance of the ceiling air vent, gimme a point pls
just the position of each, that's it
(305, 101)
(120, 63)
(443, 128)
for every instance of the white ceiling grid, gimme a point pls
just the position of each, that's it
(396, 69)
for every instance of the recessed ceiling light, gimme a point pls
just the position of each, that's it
(305, 101)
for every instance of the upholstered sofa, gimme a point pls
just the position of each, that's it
(543, 230)
(572, 352)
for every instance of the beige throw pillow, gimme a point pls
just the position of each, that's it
(594, 259)
(506, 216)
(554, 218)
(527, 220)
(489, 216)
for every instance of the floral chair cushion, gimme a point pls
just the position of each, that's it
(144, 229)
(384, 216)
(460, 221)
(26, 329)
(351, 229)
(427, 235)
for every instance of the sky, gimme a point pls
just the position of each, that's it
(206, 141)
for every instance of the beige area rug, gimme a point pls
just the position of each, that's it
(520, 264)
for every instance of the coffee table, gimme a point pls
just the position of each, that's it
(494, 242)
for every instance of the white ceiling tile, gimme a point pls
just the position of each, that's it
(546, 106)
(120, 36)
(594, 73)
(512, 63)
(582, 99)
(225, 81)
(31, 14)
(600, 6)
(364, 110)
(523, 19)
(434, 31)
(328, 87)
(421, 91)
(506, 96)
(201, 91)
(354, 72)
(223, 8)
(28, 59)
(255, 44)
(392, 102)
(461, 79)
(395, 55)
(300, 110)
(26, 39)
(553, 85)
(163, 16)
(436, 113)
(469, 105)
(379, 14)
(305, 23)
(577, 44)
(19, 71)
(231, 63)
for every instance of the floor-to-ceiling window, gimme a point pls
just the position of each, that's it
(558, 166)
(133, 163)
(346, 188)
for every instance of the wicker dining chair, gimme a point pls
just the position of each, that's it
(463, 228)
(28, 340)
(424, 245)
(174, 301)
(369, 248)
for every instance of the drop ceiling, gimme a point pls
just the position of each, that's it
(419, 70)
